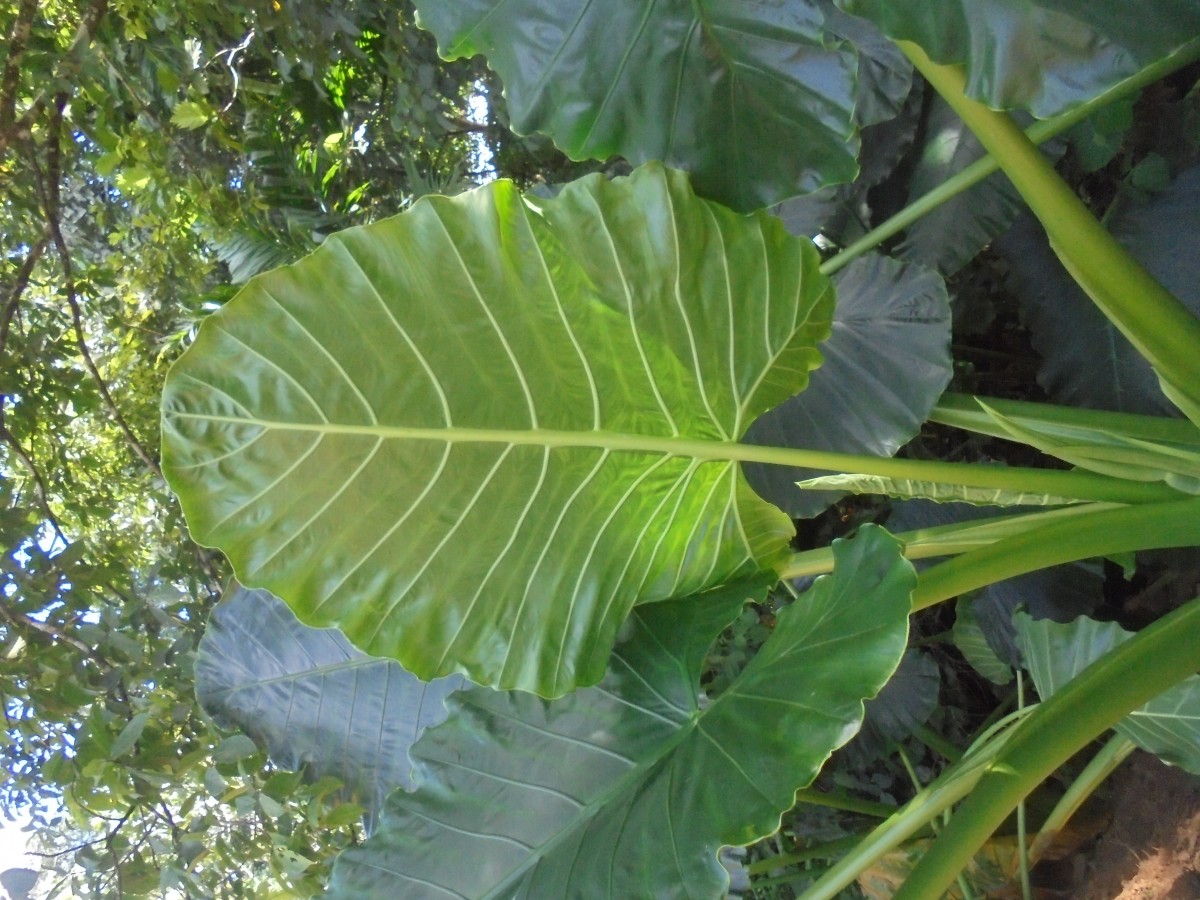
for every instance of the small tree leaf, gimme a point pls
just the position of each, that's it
(129, 735)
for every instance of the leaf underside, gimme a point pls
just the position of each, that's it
(312, 700)
(473, 436)
(629, 788)
(748, 97)
(1168, 726)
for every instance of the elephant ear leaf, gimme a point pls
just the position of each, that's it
(475, 435)
(748, 97)
(1168, 726)
(1045, 57)
(312, 700)
(627, 789)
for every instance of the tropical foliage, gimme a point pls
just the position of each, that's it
(550, 441)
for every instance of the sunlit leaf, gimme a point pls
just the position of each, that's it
(473, 436)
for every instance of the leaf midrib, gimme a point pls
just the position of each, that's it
(696, 448)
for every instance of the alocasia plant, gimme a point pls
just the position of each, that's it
(500, 435)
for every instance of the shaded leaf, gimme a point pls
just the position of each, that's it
(950, 236)
(973, 644)
(905, 703)
(747, 97)
(535, 385)
(1087, 362)
(884, 72)
(629, 788)
(1168, 726)
(1038, 55)
(1057, 594)
(313, 701)
(890, 343)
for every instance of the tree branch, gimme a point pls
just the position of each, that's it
(18, 288)
(39, 483)
(12, 128)
(18, 39)
(48, 190)
(21, 620)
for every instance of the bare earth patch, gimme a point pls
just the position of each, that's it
(1151, 851)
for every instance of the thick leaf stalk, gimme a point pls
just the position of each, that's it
(1098, 533)
(1157, 658)
(1151, 317)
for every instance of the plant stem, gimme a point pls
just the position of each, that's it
(916, 817)
(1125, 679)
(937, 743)
(946, 540)
(1156, 323)
(1038, 133)
(1093, 775)
(828, 850)
(844, 803)
(1098, 533)
(963, 411)
(1022, 846)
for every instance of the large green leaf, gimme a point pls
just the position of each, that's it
(1045, 56)
(746, 96)
(473, 436)
(1168, 726)
(891, 344)
(312, 700)
(629, 788)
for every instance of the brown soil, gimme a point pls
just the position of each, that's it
(1151, 850)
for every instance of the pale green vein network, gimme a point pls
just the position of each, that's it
(569, 416)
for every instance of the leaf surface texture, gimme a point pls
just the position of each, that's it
(473, 436)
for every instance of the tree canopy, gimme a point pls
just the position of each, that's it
(150, 156)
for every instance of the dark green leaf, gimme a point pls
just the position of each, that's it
(1087, 361)
(629, 788)
(473, 436)
(234, 749)
(891, 343)
(950, 236)
(905, 703)
(129, 735)
(1038, 55)
(747, 97)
